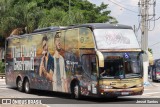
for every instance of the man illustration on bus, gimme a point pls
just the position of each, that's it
(47, 62)
(59, 77)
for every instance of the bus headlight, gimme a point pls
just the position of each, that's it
(139, 85)
(105, 86)
(108, 87)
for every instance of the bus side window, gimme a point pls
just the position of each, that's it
(93, 65)
(85, 38)
(93, 68)
(86, 64)
(89, 65)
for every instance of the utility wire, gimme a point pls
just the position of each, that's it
(122, 6)
(154, 44)
(156, 19)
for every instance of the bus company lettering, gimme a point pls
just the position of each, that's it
(19, 55)
(71, 63)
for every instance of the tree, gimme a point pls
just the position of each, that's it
(33, 14)
(89, 11)
(2, 67)
(150, 50)
(19, 15)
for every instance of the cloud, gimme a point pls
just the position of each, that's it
(116, 11)
(133, 2)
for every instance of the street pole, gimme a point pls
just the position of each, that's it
(144, 43)
(69, 12)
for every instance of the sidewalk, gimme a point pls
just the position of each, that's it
(2, 79)
(150, 86)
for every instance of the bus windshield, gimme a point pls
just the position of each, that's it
(115, 39)
(158, 66)
(122, 65)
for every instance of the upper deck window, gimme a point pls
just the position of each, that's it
(115, 39)
(85, 38)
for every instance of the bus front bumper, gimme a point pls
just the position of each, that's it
(121, 92)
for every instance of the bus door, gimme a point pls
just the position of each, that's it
(89, 67)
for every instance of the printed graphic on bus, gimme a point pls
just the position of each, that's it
(82, 60)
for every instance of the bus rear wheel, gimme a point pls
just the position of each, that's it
(27, 86)
(20, 85)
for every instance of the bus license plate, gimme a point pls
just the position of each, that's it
(125, 93)
(158, 76)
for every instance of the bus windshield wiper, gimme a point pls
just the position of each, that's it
(107, 77)
(132, 75)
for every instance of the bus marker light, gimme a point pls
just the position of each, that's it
(140, 85)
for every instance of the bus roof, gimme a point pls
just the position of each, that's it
(89, 25)
(46, 29)
(104, 25)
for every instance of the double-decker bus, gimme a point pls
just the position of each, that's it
(97, 60)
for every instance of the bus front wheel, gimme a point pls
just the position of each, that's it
(76, 93)
(27, 86)
(75, 90)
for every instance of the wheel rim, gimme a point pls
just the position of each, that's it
(27, 86)
(19, 84)
(76, 93)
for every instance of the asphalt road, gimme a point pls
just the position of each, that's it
(53, 99)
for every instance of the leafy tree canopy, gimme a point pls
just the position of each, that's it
(33, 14)
(150, 50)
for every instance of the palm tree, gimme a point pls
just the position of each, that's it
(20, 15)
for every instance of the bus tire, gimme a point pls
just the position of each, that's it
(20, 85)
(153, 79)
(114, 97)
(76, 91)
(27, 86)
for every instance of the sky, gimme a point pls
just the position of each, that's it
(127, 11)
